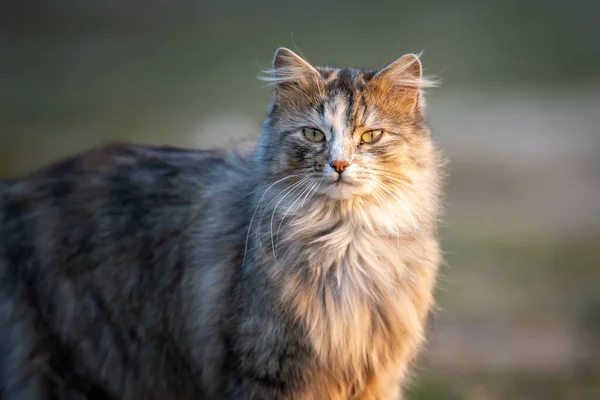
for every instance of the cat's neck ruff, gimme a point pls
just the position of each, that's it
(342, 270)
(389, 218)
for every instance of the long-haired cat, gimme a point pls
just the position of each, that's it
(302, 270)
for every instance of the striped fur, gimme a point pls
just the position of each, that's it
(136, 272)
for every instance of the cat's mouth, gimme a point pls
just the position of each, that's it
(342, 186)
(342, 189)
(341, 181)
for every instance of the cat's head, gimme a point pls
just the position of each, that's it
(348, 133)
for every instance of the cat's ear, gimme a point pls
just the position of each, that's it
(404, 80)
(286, 63)
(289, 66)
(406, 71)
(290, 71)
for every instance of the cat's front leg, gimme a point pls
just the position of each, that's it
(22, 353)
(247, 386)
(385, 386)
(392, 391)
(267, 362)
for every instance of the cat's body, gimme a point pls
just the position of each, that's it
(134, 272)
(94, 257)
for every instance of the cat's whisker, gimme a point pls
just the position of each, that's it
(379, 197)
(308, 195)
(256, 209)
(296, 185)
(269, 181)
(405, 190)
(289, 209)
(265, 208)
(313, 189)
(422, 200)
(285, 190)
(403, 203)
(311, 194)
(300, 229)
(408, 187)
(262, 207)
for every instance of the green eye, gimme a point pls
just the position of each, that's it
(371, 136)
(313, 135)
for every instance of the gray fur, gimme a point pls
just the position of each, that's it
(135, 272)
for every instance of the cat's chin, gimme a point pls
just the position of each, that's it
(343, 191)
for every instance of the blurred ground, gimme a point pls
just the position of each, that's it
(519, 298)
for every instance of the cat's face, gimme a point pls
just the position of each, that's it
(347, 132)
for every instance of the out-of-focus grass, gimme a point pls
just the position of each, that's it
(578, 385)
(535, 274)
(509, 284)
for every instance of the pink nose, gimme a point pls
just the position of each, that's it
(339, 166)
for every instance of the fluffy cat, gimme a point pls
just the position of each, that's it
(300, 270)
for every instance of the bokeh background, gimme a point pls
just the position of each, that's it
(518, 115)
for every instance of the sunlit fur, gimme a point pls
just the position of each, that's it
(139, 272)
(355, 262)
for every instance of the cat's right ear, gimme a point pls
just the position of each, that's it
(287, 64)
(290, 70)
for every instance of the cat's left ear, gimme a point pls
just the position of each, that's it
(404, 80)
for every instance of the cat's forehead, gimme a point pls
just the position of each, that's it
(343, 79)
(344, 102)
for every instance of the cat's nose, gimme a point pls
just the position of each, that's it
(339, 165)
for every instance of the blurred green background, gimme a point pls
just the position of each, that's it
(518, 115)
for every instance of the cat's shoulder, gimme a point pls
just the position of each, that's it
(119, 155)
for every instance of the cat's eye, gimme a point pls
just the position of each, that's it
(371, 136)
(313, 134)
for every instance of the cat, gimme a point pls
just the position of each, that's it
(300, 269)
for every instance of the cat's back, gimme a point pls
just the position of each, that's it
(113, 206)
(130, 180)
(93, 250)
(104, 196)
(115, 166)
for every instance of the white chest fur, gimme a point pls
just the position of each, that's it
(352, 288)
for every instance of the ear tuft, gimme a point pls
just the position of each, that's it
(403, 81)
(286, 58)
(288, 67)
(407, 71)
